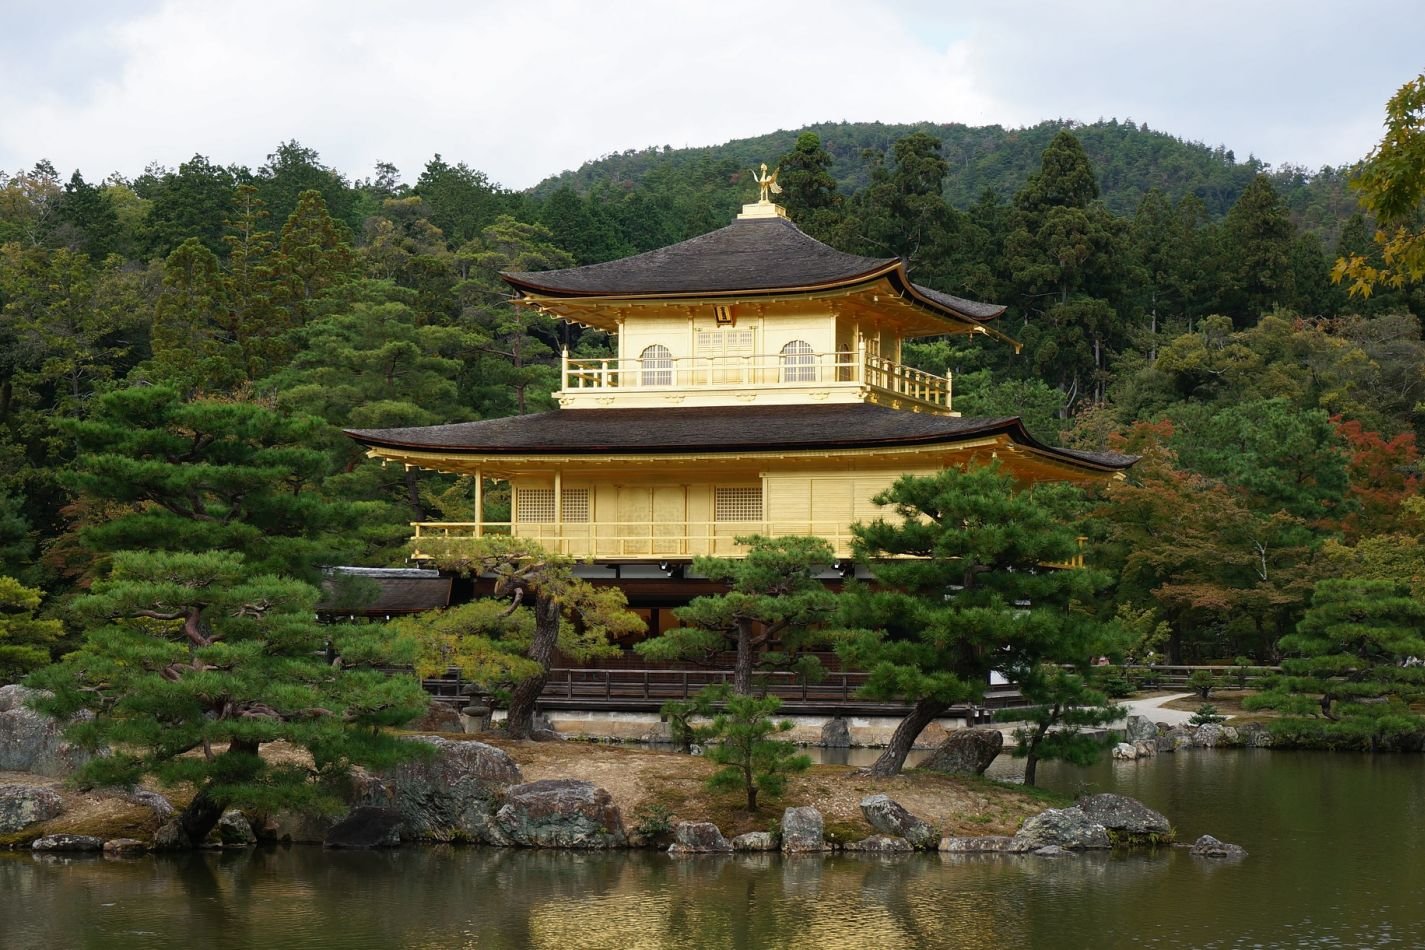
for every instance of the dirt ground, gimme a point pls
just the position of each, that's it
(641, 781)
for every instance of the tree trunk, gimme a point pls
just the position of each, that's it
(892, 760)
(1031, 765)
(525, 696)
(413, 495)
(199, 818)
(751, 796)
(742, 672)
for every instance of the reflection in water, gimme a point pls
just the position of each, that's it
(1336, 860)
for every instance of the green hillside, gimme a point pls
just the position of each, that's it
(1129, 158)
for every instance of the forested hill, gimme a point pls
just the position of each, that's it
(1130, 159)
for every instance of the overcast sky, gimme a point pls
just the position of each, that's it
(523, 90)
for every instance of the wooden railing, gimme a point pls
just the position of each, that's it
(628, 540)
(760, 371)
(648, 689)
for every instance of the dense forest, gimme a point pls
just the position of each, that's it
(1173, 302)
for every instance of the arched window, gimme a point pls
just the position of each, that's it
(798, 363)
(656, 366)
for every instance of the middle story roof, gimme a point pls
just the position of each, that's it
(716, 431)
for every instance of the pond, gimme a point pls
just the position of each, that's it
(1337, 859)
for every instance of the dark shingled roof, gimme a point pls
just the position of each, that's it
(710, 428)
(755, 254)
(397, 590)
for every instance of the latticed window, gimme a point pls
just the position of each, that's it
(575, 504)
(534, 505)
(737, 504)
(656, 366)
(798, 363)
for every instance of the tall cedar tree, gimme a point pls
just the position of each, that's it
(962, 588)
(1354, 661)
(524, 572)
(201, 635)
(773, 597)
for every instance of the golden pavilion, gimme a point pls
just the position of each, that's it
(757, 388)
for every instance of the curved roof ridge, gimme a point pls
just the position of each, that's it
(749, 254)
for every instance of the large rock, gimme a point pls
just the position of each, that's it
(1209, 847)
(1254, 735)
(836, 733)
(439, 717)
(755, 841)
(234, 830)
(1209, 735)
(366, 827)
(1128, 820)
(30, 741)
(1140, 729)
(1066, 827)
(558, 813)
(68, 843)
(24, 805)
(449, 796)
(292, 827)
(803, 831)
(966, 752)
(986, 844)
(124, 847)
(889, 817)
(881, 844)
(1125, 750)
(698, 837)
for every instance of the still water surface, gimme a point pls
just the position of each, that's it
(1337, 859)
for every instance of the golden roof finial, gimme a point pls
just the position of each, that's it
(763, 206)
(768, 183)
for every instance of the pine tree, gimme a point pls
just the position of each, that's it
(741, 741)
(774, 597)
(523, 571)
(963, 588)
(198, 653)
(200, 630)
(1354, 662)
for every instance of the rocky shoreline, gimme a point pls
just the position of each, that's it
(466, 791)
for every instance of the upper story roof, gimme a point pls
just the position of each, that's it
(749, 258)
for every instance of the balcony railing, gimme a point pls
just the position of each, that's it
(645, 540)
(756, 371)
(638, 540)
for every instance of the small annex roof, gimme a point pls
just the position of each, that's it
(714, 429)
(750, 257)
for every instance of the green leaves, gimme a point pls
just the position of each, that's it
(1356, 658)
(741, 738)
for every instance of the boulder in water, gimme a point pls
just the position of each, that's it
(449, 795)
(803, 831)
(698, 837)
(364, 827)
(889, 817)
(558, 813)
(1066, 827)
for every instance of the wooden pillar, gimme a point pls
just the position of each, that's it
(479, 502)
(558, 512)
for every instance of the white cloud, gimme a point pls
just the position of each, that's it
(522, 91)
